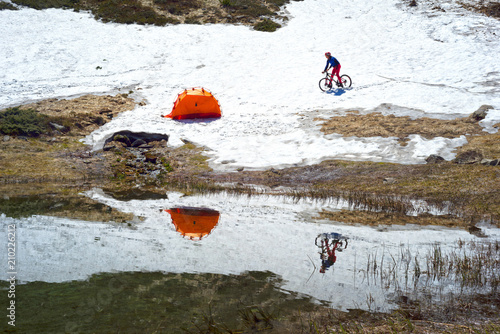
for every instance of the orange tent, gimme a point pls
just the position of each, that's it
(194, 223)
(195, 103)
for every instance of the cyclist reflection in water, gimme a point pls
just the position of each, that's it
(328, 248)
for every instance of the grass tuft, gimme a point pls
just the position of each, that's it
(267, 25)
(28, 122)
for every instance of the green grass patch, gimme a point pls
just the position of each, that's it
(128, 12)
(28, 122)
(249, 8)
(15, 121)
(178, 7)
(267, 25)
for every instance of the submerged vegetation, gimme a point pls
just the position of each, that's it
(132, 302)
(155, 302)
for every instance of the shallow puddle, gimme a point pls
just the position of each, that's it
(222, 249)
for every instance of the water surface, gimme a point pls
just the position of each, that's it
(198, 242)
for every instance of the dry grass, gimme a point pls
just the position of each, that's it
(487, 144)
(378, 125)
(58, 157)
(34, 160)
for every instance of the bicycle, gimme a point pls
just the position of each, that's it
(328, 81)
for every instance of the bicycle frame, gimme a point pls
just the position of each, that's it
(330, 79)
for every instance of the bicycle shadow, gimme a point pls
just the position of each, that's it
(336, 91)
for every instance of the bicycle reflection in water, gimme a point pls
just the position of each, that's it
(329, 243)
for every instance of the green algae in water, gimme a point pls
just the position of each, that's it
(152, 302)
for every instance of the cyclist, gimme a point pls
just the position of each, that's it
(332, 62)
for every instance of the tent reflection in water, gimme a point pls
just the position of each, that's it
(194, 223)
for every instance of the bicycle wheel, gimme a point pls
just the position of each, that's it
(323, 84)
(346, 80)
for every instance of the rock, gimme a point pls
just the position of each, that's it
(490, 162)
(185, 141)
(481, 113)
(58, 127)
(105, 111)
(434, 159)
(138, 143)
(474, 230)
(469, 157)
(134, 136)
(390, 180)
(121, 138)
(6, 138)
(99, 121)
(150, 157)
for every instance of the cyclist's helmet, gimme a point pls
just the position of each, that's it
(328, 54)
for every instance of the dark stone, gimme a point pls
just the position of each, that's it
(105, 111)
(58, 127)
(121, 138)
(469, 157)
(138, 143)
(481, 113)
(390, 180)
(150, 157)
(494, 162)
(434, 159)
(134, 136)
(99, 120)
(474, 230)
